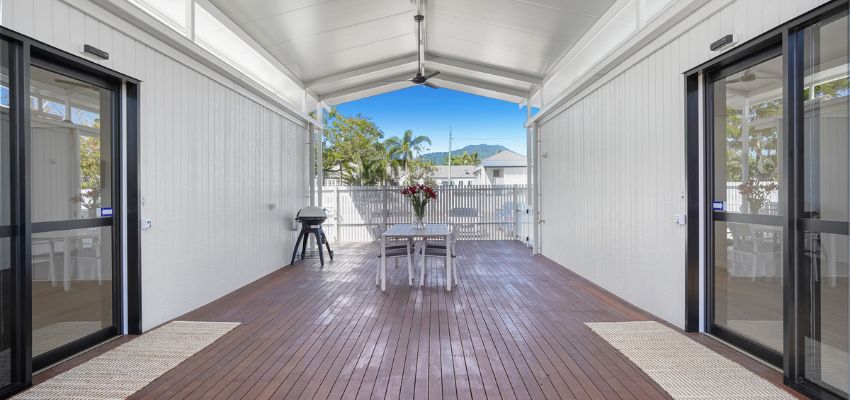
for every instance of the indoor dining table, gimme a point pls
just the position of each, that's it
(410, 232)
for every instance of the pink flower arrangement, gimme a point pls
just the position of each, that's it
(419, 195)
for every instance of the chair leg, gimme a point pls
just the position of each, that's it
(52, 272)
(422, 264)
(454, 270)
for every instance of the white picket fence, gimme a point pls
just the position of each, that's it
(358, 213)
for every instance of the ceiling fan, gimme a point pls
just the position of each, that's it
(75, 83)
(421, 77)
(750, 76)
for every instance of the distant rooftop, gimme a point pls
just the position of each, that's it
(505, 158)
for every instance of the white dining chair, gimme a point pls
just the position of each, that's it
(437, 249)
(396, 253)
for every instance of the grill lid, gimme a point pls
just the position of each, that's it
(312, 212)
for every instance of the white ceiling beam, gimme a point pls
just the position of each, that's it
(391, 80)
(484, 69)
(356, 72)
(482, 85)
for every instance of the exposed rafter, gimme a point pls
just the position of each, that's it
(517, 92)
(485, 69)
(398, 80)
(357, 72)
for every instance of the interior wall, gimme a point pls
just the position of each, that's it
(613, 160)
(221, 173)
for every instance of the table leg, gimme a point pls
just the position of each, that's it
(422, 263)
(409, 263)
(66, 267)
(383, 271)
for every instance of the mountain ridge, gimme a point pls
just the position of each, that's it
(484, 150)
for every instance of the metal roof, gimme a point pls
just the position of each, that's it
(349, 49)
(505, 158)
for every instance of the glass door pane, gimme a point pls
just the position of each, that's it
(71, 181)
(824, 248)
(748, 137)
(747, 280)
(6, 239)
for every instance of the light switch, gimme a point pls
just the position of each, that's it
(681, 219)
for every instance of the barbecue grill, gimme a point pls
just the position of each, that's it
(311, 219)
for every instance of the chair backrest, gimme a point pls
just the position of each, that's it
(377, 231)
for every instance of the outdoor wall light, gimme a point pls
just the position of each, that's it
(89, 49)
(723, 42)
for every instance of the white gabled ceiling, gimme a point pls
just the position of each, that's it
(348, 49)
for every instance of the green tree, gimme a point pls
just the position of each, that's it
(401, 150)
(352, 146)
(463, 159)
(420, 171)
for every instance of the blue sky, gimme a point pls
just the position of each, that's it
(425, 111)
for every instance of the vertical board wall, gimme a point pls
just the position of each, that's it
(213, 162)
(614, 173)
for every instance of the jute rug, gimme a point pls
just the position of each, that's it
(683, 367)
(126, 369)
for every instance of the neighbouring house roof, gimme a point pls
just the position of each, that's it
(505, 158)
(458, 171)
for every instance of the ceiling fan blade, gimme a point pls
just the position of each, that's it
(431, 85)
(75, 83)
(432, 74)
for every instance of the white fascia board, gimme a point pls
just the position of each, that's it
(586, 38)
(632, 50)
(484, 69)
(129, 19)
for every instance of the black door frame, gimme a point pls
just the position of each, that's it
(48, 62)
(24, 52)
(789, 37)
(770, 50)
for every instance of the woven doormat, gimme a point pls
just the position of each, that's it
(683, 367)
(126, 369)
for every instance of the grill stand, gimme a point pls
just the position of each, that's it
(303, 238)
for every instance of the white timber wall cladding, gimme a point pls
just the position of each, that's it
(614, 172)
(213, 162)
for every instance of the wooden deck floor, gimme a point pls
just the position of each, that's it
(512, 329)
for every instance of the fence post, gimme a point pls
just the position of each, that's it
(385, 213)
(514, 213)
(338, 213)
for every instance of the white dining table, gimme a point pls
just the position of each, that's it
(408, 231)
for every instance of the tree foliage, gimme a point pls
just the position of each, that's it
(401, 150)
(463, 159)
(354, 147)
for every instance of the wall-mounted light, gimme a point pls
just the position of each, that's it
(723, 43)
(89, 49)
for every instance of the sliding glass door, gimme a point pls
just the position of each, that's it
(8, 228)
(778, 184)
(747, 204)
(823, 205)
(71, 204)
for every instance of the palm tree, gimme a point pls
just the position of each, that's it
(401, 150)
